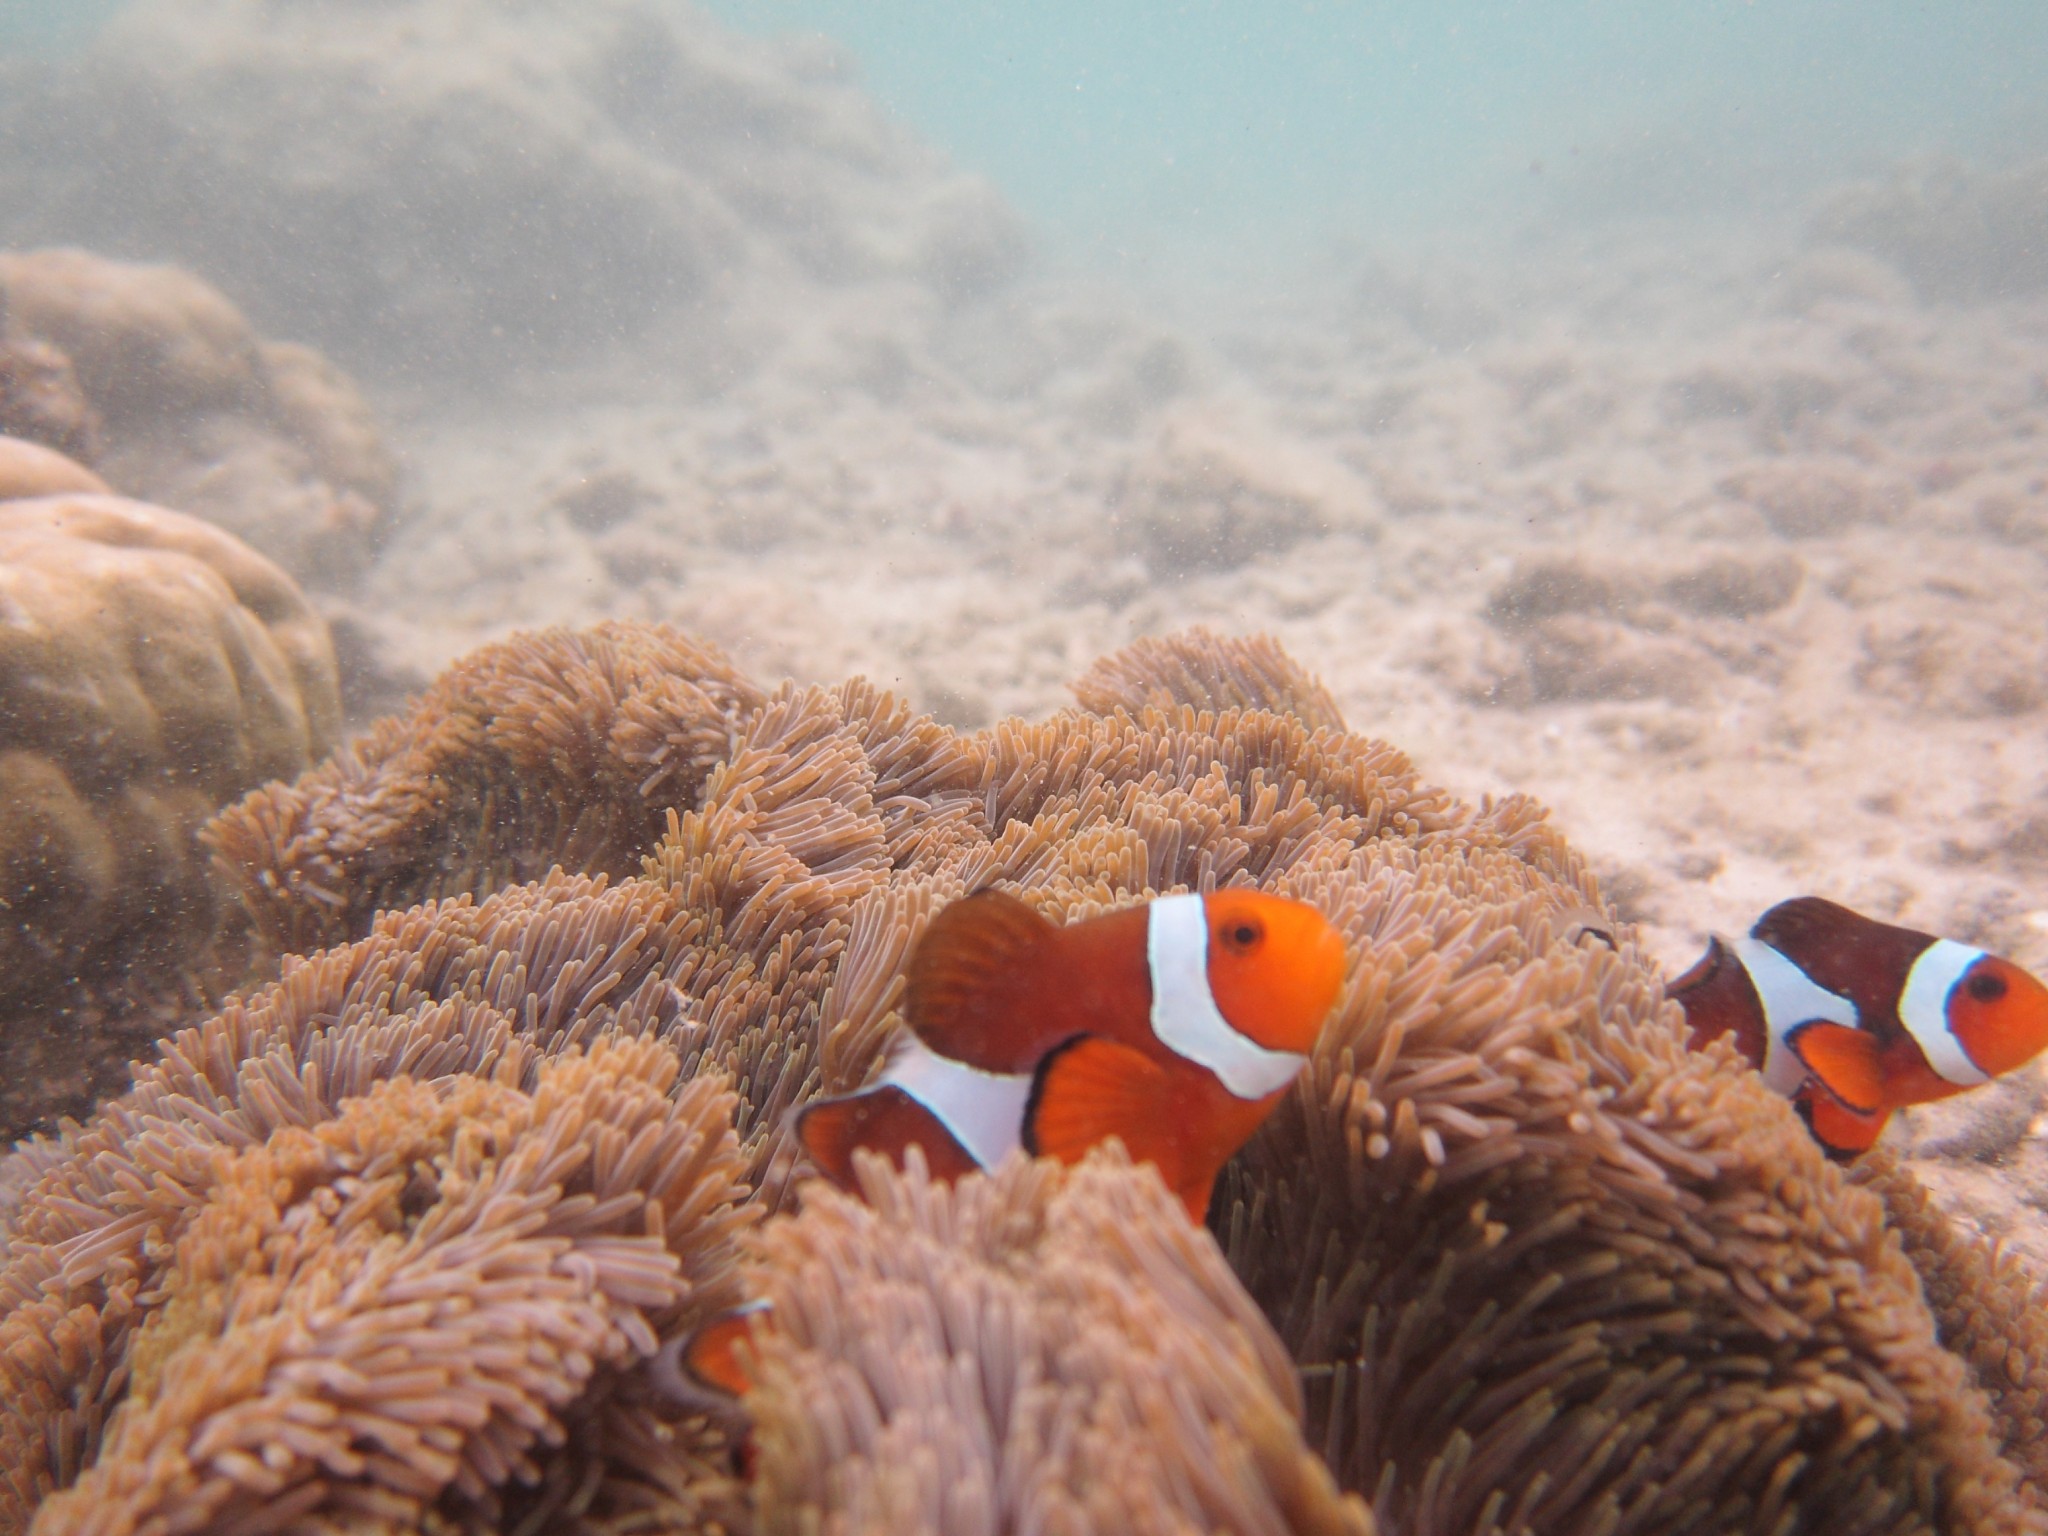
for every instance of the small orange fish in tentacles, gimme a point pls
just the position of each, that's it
(705, 1371)
(1174, 1026)
(1851, 1018)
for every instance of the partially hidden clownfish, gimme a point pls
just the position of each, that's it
(1175, 1026)
(706, 1371)
(1851, 1018)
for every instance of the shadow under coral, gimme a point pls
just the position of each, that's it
(388, 1241)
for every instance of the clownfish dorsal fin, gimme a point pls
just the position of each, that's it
(971, 979)
(1841, 1130)
(1845, 1060)
(1091, 1089)
(1844, 952)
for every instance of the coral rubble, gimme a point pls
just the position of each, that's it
(157, 381)
(153, 668)
(1538, 1268)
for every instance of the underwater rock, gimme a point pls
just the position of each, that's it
(1205, 498)
(1580, 629)
(152, 669)
(1958, 233)
(1539, 1267)
(599, 168)
(188, 407)
(40, 398)
(30, 469)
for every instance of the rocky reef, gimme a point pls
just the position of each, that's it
(152, 668)
(464, 187)
(152, 378)
(1510, 1258)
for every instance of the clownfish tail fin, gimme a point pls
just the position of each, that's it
(881, 1119)
(1719, 998)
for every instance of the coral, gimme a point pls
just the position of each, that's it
(1029, 1350)
(1202, 498)
(1813, 498)
(184, 404)
(1958, 233)
(609, 169)
(152, 669)
(40, 398)
(1539, 1267)
(1580, 629)
(29, 469)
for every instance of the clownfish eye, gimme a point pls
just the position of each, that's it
(1242, 934)
(1986, 986)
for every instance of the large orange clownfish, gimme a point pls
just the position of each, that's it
(1174, 1026)
(1851, 1018)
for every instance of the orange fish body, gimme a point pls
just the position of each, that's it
(1174, 1026)
(1851, 1018)
(708, 1372)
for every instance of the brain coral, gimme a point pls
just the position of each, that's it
(151, 668)
(1537, 1267)
(30, 469)
(179, 401)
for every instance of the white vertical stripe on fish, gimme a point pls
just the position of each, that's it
(1184, 1012)
(983, 1110)
(1923, 1009)
(1790, 998)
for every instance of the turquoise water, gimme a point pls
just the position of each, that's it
(1234, 124)
(1237, 119)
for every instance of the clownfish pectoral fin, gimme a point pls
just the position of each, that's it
(1840, 1130)
(1845, 1061)
(1091, 1089)
(969, 981)
(882, 1119)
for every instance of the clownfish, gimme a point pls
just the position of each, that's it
(705, 1371)
(1851, 1018)
(1175, 1026)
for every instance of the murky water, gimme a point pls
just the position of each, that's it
(1639, 407)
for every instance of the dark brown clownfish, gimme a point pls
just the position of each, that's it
(1851, 1018)
(1174, 1026)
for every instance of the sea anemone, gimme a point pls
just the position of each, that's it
(1537, 1267)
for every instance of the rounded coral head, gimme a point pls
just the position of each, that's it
(1275, 967)
(1999, 1013)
